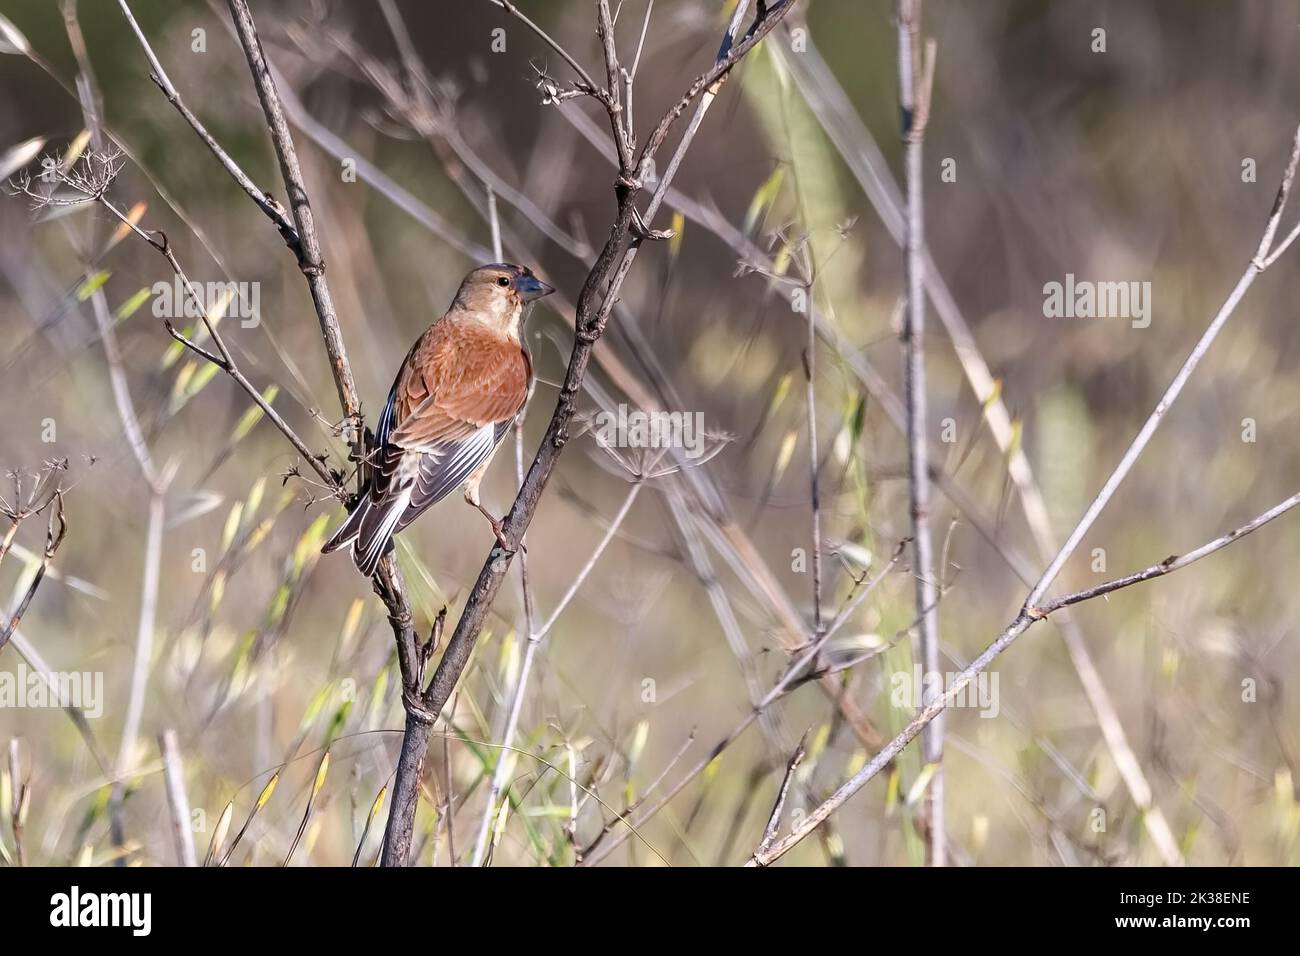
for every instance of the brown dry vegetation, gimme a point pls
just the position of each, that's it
(1115, 166)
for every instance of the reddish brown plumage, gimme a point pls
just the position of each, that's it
(460, 376)
(458, 390)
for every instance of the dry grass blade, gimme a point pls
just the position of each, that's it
(370, 820)
(262, 799)
(219, 835)
(316, 785)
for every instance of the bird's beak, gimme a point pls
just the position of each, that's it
(531, 287)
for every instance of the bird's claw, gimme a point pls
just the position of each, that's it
(498, 529)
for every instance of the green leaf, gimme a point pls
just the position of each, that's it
(92, 284)
(254, 415)
(763, 199)
(132, 305)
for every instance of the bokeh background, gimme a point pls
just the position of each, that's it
(1122, 165)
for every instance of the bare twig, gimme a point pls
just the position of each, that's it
(225, 360)
(178, 803)
(840, 121)
(55, 530)
(1258, 263)
(264, 200)
(914, 108)
(814, 467)
(310, 260)
(613, 103)
(535, 639)
(606, 277)
(588, 84)
(795, 674)
(1028, 616)
(774, 819)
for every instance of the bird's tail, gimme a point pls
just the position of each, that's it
(370, 528)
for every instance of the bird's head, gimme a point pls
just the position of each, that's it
(498, 293)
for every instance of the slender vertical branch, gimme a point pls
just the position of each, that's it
(388, 583)
(595, 302)
(774, 818)
(143, 662)
(613, 101)
(814, 485)
(855, 144)
(19, 799)
(495, 223)
(178, 802)
(914, 107)
(310, 260)
(535, 637)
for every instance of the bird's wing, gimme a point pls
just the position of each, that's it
(461, 377)
(443, 471)
(458, 391)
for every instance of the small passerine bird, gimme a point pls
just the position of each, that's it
(454, 399)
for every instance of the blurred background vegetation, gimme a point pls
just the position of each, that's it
(1115, 166)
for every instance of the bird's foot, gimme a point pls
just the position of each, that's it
(498, 529)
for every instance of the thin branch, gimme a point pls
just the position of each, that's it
(1028, 616)
(1257, 265)
(629, 76)
(605, 278)
(590, 85)
(224, 361)
(914, 108)
(839, 119)
(774, 819)
(814, 468)
(496, 224)
(55, 530)
(614, 107)
(535, 639)
(178, 803)
(264, 200)
(19, 800)
(795, 674)
(310, 260)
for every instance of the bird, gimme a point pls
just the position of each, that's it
(455, 397)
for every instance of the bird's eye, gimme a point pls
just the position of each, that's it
(503, 281)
